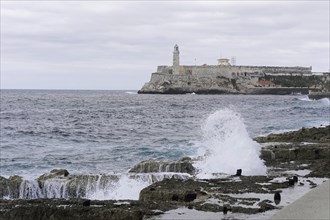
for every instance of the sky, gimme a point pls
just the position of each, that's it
(112, 45)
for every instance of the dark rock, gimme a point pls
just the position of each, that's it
(55, 173)
(66, 173)
(277, 198)
(319, 95)
(265, 206)
(172, 190)
(295, 179)
(150, 166)
(319, 135)
(225, 210)
(320, 168)
(190, 196)
(291, 182)
(87, 203)
(175, 197)
(315, 154)
(239, 172)
(44, 209)
(10, 187)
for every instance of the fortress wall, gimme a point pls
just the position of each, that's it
(161, 68)
(159, 78)
(276, 68)
(239, 70)
(182, 79)
(225, 71)
(233, 71)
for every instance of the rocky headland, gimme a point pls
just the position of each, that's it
(225, 78)
(296, 161)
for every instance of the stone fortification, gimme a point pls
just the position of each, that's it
(221, 78)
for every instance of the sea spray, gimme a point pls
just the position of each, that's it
(96, 187)
(324, 101)
(29, 189)
(228, 146)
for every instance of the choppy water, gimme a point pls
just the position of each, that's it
(108, 132)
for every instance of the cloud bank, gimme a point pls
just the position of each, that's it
(117, 45)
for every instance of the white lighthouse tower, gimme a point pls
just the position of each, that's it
(176, 60)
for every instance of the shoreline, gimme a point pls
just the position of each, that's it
(305, 157)
(250, 91)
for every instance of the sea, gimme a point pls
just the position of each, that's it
(108, 132)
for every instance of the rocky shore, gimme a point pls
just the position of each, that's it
(296, 162)
(319, 95)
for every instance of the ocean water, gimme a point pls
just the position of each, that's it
(108, 132)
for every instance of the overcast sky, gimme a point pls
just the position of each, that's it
(117, 45)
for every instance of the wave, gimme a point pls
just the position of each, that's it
(305, 98)
(229, 146)
(130, 92)
(325, 101)
(96, 187)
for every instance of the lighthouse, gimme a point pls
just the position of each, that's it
(176, 59)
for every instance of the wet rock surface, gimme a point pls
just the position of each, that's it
(292, 165)
(10, 187)
(181, 166)
(212, 195)
(69, 209)
(318, 135)
(309, 146)
(209, 195)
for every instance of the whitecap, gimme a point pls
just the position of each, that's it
(131, 93)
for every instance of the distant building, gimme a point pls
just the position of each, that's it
(227, 70)
(223, 62)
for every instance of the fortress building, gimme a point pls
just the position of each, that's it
(220, 78)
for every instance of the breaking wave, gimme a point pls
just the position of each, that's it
(325, 101)
(96, 187)
(131, 93)
(229, 146)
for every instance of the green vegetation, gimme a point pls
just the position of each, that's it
(295, 81)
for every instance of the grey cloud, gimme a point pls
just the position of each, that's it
(113, 40)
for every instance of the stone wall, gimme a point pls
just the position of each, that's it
(239, 70)
(213, 78)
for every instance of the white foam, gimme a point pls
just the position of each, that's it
(130, 93)
(125, 188)
(98, 187)
(229, 146)
(299, 172)
(305, 98)
(325, 101)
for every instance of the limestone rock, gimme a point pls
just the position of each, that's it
(318, 135)
(10, 187)
(55, 173)
(149, 166)
(172, 190)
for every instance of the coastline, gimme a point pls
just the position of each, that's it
(319, 95)
(303, 153)
(251, 91)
